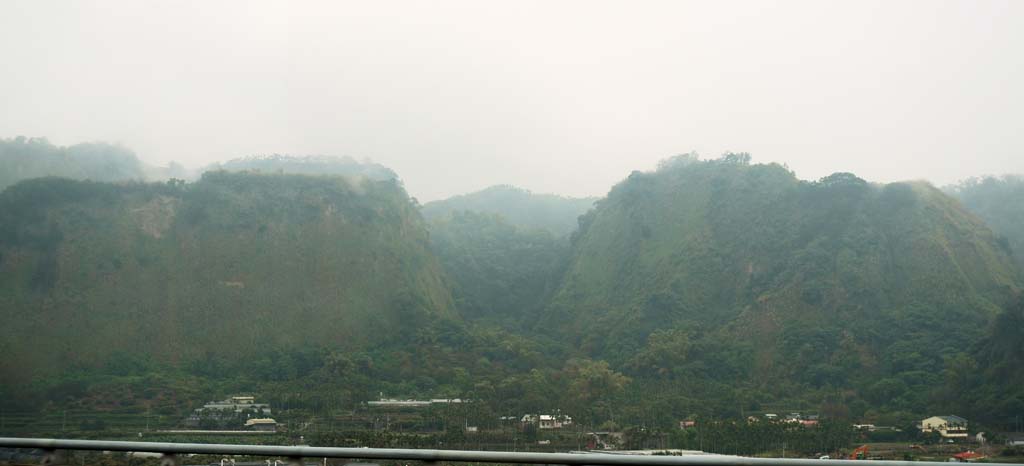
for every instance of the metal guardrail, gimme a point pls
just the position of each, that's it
(171, 452)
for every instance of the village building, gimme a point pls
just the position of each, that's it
(547, 421)
(1014, 439)
(396, 403)
(393, 403)
(227, 412)
(968, 456)
(238, 404)
(265, 424)
(950, 427)
(810, 420)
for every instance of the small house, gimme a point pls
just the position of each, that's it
(547, 421)
(950, 427)
(264, 424)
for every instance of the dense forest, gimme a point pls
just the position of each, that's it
(729, 277)
(997, 201)
(707, 289)
(500, 272)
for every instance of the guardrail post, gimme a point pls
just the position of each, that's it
(53, 457)
(170, 459)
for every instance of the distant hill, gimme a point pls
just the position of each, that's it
(308, 165)
(24, 158)
(518, 207)
(742, 277)
(235, 268)
(999, 201)
(501, 273)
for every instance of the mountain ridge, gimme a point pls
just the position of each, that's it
(519, 207)
(824, 278)
(703, 288)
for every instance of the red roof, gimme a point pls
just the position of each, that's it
(968, 455)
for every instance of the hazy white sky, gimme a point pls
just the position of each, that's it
(564, 97)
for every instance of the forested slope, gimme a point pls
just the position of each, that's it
(742, 275)
(501, 273)
(999, 201)
(210, 273)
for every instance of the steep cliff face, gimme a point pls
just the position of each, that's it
(227, 266)
(838, 276)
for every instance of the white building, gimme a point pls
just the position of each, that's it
(947, 426)
(238, 404)
(547, 421)
(265, 424)
(226, 410)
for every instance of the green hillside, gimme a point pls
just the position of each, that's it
(722, 272)
(501, 273)
(708, 289)
(519, 207)
(999, 201)
(989, 381)
(224, 270)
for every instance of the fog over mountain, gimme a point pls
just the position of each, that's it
(555, 98)
(740, 227)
